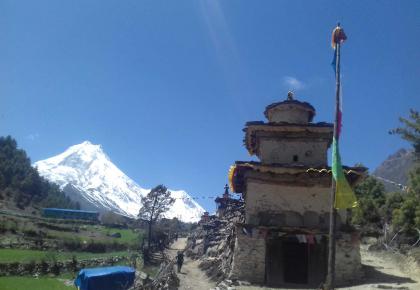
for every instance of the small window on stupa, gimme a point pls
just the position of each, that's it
(295, 158)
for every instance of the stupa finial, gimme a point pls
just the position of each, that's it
(226, 194)
(290, 95)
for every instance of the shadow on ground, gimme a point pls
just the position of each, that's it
(373, 276)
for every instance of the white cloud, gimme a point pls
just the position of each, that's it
(32, 137)
(292, 83)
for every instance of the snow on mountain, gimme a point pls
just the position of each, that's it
(87, 175)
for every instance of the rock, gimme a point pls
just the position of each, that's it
(115, 235)
(214, 244)
(369, 240)
(244, 283)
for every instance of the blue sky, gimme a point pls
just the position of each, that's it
(167, 86)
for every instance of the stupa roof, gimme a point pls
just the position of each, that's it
(289, 104)
(294, 173)
(306, 131)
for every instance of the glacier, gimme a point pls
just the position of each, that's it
(87, 175)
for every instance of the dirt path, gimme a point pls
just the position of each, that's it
(383, 272)
(191, 277)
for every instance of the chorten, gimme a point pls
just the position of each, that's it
(283, 241)
(226, 202)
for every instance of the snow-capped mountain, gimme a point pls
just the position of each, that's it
(87, 175)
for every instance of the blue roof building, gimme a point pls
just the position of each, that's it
(61, 213)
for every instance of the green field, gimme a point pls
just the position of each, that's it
(127, 236)
(25, 256)
(30, 283)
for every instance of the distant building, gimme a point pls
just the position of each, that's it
(205, 217)
(226, 202)
(283, 241)
(61, 213)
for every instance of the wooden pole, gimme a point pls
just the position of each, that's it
(330, 283)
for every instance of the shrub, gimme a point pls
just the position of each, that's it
(3, 227)
(56, 268)
(30, 267)
(95, 247)
(72, 244)
(13, 226)
(73, 264)
(31, 233)
(44, 267)
(51, 257)
(13, 267)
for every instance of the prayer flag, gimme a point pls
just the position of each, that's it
(344, 195)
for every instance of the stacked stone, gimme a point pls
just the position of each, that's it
(215, 242)
(166, 278)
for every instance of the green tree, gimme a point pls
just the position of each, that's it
(410, 130)
(154, 205)
(393, 202)
(407, 216)
(22, 183)
(371, 198)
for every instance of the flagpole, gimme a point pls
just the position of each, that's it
(330, 281)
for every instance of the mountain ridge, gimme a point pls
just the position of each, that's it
(86, 173)
(393, 171)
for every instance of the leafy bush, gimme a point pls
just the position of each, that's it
(56, 269)
(44, 267)
(73, 264)
(51, 257)
(95, 247)
(30, 267)
(371, 199)
(74, 244)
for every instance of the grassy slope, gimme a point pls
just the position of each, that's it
(24, 256)
(16, 225)
(26, 283)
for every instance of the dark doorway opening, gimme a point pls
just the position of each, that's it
(287, 263)
(295, 260)
(292, 264)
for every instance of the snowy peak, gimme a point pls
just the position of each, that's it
(84, 152)
(87, 175)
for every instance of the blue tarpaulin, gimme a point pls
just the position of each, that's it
(105, 278)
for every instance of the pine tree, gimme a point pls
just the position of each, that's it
(410, 130)
(21, 182)
(407, 215)
(155, 204)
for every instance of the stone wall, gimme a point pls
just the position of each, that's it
(290, 114)
(248, 258)
(348, 265)
(310, 153)
(281, 199)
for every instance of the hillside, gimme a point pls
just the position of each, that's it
(21, 186)
(393, 172)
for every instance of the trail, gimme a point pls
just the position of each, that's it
(381, 272)
(191, 276)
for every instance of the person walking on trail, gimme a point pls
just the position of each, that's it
(179, 260)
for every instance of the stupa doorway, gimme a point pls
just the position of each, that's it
(290, 262)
